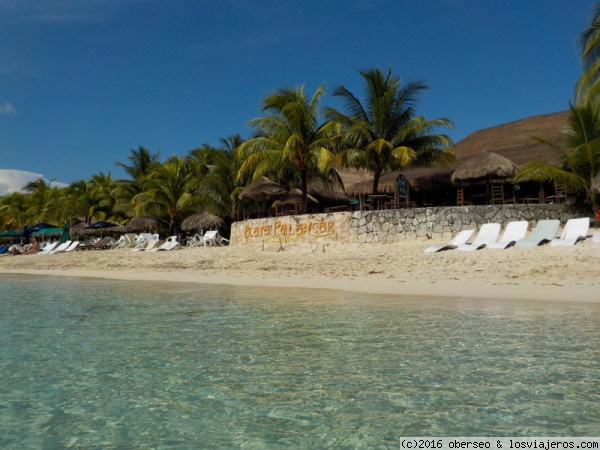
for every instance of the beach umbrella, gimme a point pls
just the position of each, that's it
(145, 223)
(202, 220)
(48, 232)
(65, 233)
(101, 226)
(40, 226)
(11, 234)
(262, 190)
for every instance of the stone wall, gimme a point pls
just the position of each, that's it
(441, 223)
(387, 226)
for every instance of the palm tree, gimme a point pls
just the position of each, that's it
(37, 193)
(216, 170)
(86, 200)
(141, 163)
(588, 86)
(581, 158)
(290, 142)
(382, 133)
(14, 210)
(167, 190)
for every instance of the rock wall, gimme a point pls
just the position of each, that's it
(387, 226)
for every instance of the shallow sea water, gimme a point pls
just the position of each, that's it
(111, 364)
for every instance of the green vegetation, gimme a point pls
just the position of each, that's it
(296, 144)
(580, 160)
(384, 134)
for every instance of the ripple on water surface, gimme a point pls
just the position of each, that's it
(109, 364)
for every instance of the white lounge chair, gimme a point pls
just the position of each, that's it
(513, 232)
(596, 237)
(212, 238)
(460, 238)
(544, 231)
(488, 233)
(126, 240)
(575, 230)
(143, 240)
(71, 247)
(48, 248)
(60, 248)
(170, 244)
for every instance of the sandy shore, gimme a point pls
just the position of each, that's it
(543, 273)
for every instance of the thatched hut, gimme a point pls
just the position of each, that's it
(484, 167)
(202, 220)
(145, 223)
(262, 190)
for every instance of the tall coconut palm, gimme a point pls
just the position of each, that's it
(290, 141)
(217, 168)
(14, 210)
(141, 163)
(87, 201)
(167, 190)
(581, 158)
(38, 192)
(588, 86)
(382, 133)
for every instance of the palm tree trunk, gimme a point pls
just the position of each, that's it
(304, 188)
(376, 176)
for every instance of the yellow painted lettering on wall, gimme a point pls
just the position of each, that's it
(280, 228)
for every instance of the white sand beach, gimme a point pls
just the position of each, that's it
(542, 273)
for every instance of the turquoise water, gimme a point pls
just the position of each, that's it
(110, 364)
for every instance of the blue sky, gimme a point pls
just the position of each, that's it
(83, 82)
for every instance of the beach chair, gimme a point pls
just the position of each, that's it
(575, 230)
(142, 240)
(60, 248)
(513, 232)
(596, 237)
(126, 240)
(170, 244)
(213, 238)
(71, 247)
(544, 231)
(147, 247)
(488, 233)
(460, 238)
(48, 248)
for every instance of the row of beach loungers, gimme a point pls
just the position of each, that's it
(142, 242)
(515, 234)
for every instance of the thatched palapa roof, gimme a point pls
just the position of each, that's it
(261, 190)
(484, 166)
(419, 179)
(202, 220)
(145, 223)
(515, 140)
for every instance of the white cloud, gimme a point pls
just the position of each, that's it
(15, 180)
(7, 109)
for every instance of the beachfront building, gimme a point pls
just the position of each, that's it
(498, 151)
